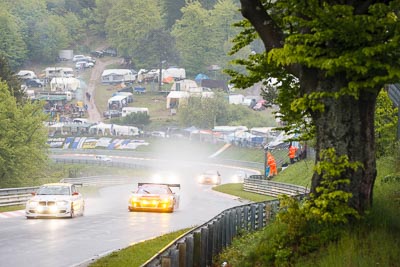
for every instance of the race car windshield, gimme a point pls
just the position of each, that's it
(53, 190)
(153, 190)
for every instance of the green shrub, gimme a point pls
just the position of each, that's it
(302, 227)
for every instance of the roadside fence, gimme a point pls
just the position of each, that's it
(200, 245)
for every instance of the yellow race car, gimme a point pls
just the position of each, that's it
(154, 197)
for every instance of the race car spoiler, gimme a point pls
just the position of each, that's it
(170, 185)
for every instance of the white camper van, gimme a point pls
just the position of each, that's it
(128, 110)
(26, 74)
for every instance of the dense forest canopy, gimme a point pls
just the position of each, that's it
(190, 34)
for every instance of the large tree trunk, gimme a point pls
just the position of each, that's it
(347, 125)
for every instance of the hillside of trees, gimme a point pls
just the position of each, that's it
(194, 36)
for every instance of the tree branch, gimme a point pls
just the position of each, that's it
(268, 30)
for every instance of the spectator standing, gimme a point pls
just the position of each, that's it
(292, 153)
(272, 165)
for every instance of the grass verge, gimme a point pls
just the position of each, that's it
(375, 241)
(237, 190)
(139, 253)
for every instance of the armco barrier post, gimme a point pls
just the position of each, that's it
(182, 254)
(189, 250)
(210, 244)
(196, 249)
(204, 243)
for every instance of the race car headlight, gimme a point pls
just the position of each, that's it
(62, 203)
(166, 200)
(134, 199)
(32, 203)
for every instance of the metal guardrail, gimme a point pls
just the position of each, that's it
(19, 196)
(257, 184)
(102, 163)
(15, 196)
(198, 246)
(99, 180)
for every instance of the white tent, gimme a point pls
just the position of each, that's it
(125, 130)
(174, 97)
(102, 128)
(186, 85)
(64, 84)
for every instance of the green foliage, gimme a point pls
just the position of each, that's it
(138, 119)
(302, 227)
(13, 83)
(352, 48)
(207, 112)
(190, 33)
(156, 46)
(12, 44)
(129, 22)
(385, 124)
(50, 36)
(330, 204)
(23, 148)
(142, 251)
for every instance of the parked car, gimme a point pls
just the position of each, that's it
(83, 65)
(90, 59)
(210, 177)
(34, 83)
(154, 197)
(97, 53)
(77, 58)
(55, 200)
(26, 74)
(112, 113)
(158, 134)
(110, 51)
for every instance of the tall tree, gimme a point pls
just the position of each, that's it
(12, 44)
(155, 47)
(23, 148)
(13, 83)
(192, 34)
(50, 37)
(332, 59)
(172, 11)
(129, 21)
(28, 12)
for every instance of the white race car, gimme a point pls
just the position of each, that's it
(55, 200)
(210, 177)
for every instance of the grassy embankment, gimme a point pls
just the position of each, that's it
(375, 241)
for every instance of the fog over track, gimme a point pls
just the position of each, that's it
(107, 224)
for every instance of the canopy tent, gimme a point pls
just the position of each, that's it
(64, 84)
(102, 128)
(200, 77)
(168, 79)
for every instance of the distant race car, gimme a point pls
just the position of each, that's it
(103, 158)
(55, 200)
(210, 177)
(154, 197)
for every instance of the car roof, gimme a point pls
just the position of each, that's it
(57, 184)
(154, 185)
